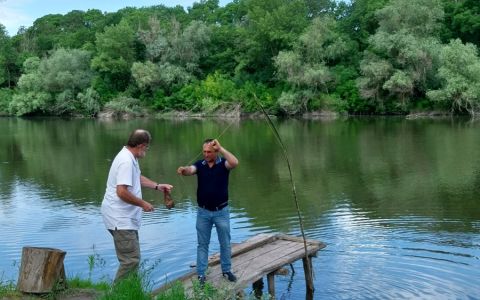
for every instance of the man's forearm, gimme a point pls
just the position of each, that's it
(124, 194)
(231, 159)
(128, 197)
(147, 182)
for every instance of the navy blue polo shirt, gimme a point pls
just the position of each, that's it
(212, 188)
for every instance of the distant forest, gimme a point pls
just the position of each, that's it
(291, 56)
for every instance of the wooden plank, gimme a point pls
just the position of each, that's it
(252, 243)
(245, 271)
(288, 257)
(252, 259)
(264, 250)
(281, 254)
(277, 264)
(256, 258)
(285, 253)
(214, 275)
(300, 240)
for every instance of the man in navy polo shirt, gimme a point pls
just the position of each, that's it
(212, 198)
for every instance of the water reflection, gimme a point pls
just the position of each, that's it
(394, 199)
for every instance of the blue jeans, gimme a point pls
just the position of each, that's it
(205, 220)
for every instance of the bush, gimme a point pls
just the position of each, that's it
(217, 92)
(252, 92)
(185, 98)
(90, 102)
(29, 103)
(6, 96)
(289, 103)
(122, 106)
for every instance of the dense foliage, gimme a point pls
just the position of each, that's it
(291, 56)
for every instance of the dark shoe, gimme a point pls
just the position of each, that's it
(229, 275)
(201, 279)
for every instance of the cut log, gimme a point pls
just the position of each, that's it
(41, 270)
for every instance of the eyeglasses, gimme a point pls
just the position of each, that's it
(147, 146)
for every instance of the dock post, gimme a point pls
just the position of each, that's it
(257, 287)
(307, 268)
(271, 284)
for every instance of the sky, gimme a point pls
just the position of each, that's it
(16, 13)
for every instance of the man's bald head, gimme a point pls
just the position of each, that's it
(138, 137)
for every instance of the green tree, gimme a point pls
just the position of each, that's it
(400, 63)
(359, 20)
(307, 67)
(204, 11)
(459, 73)
(79, 28)
(52, 84)
(173, 56)
(115, 55)
(45, 32)
(6, 95)
(226, 36)
(269, 27)
(66, 69)
(462, 20)
(7, 59)
(317, 8)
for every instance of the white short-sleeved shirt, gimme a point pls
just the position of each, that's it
(118, 214)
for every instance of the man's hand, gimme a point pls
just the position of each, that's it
(165, 187)
(186, 170)
(147, 207)
(181, 170)
(215, 145)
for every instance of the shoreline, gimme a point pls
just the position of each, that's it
(323, 115)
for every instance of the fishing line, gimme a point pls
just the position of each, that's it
(285, 155)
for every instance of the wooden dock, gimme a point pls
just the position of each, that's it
(261, 255)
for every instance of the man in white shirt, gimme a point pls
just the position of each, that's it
(122, 204)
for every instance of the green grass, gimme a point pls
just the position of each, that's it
(207, 292)
(7, 288)
(79, 283)
(176, 292)
(132, 287)
(137, 286)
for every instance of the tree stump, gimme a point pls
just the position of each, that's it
(41, 270)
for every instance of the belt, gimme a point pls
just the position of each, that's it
(214, 208)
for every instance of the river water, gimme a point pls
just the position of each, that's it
(395, 200)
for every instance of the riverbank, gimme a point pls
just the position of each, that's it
(76, 294)
(69, 294)
(316, 115)
(236, 113)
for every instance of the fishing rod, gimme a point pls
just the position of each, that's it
(292, 182)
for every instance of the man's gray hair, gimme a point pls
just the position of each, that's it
(138, 137)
